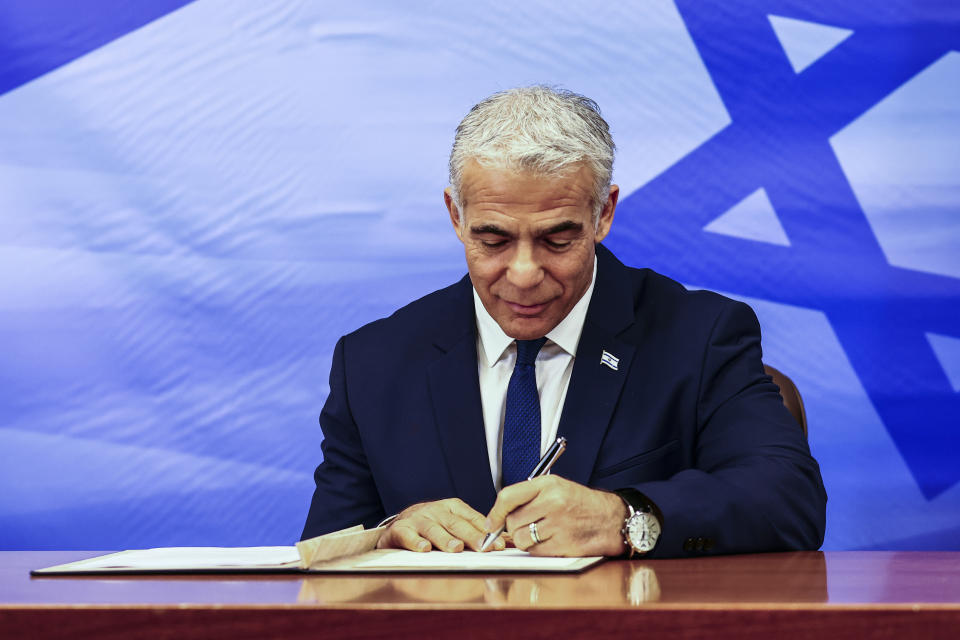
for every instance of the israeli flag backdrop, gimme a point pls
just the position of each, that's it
(198, 198)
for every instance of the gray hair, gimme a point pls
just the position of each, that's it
(540, 129)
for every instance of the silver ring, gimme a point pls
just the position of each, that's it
(533, 533)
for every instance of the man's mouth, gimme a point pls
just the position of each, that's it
(526, 309)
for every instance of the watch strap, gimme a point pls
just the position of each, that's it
(635, 499)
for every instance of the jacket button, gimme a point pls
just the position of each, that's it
(700, 544)
(708, 544)
(688, 544)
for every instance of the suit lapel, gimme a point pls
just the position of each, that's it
(455, 392)
(595, 386)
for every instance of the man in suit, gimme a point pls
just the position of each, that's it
(679, 443)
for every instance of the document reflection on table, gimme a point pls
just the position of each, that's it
(770, 579)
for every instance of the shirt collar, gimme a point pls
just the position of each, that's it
(566, 335)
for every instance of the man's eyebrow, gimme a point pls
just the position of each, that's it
(489, 228)
(567, 225)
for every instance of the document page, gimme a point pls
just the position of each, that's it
(255, 559)
(506, 560)
(186, 558)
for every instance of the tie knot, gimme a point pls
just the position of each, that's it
(527, 350)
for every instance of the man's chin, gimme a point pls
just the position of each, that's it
(526, 327)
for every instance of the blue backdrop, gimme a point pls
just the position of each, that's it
(198, 198)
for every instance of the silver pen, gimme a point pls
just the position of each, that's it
(542, 469)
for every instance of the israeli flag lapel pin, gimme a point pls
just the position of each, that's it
(610, 360)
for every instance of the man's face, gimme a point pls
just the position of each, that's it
(529, 242)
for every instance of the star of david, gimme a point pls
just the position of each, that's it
(778, 139)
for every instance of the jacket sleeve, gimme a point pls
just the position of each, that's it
(345, 493)
(754, 485)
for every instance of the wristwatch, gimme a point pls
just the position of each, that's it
(641, 528)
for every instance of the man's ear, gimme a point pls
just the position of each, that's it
(454, 212)
(606, 214)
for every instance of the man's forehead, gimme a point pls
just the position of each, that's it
(498, 181)
(502, 189)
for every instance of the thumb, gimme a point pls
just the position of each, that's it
(508, 500)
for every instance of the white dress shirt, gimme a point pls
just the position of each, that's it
(496, 357)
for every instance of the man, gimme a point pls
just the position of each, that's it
(678, 442)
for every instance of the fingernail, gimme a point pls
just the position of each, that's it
(488, 525)
(423, 546)
(453, 545)
(499, 545)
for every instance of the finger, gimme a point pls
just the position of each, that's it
(464, 530)
(523, 536)
(499, 543)
(441, 538)
(533, 511)
(551, 544)
(509, 499)
(403, 535)
(522, 539)
(465, 511)
(462, 512)
(552, 547)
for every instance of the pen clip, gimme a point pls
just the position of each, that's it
(546, 462)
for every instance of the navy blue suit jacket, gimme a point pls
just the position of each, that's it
(689, 418)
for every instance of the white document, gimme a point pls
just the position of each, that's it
(173, 558)
(351, 550)
(506, 560)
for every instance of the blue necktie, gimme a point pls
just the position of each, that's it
(521, 423)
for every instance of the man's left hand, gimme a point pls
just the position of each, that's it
(572, 520)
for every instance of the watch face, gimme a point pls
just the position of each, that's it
(643, 529)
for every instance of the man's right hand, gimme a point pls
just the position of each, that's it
(445, 525)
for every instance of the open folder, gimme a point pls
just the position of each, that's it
(347, 551)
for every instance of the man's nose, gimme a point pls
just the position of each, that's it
(524, 271)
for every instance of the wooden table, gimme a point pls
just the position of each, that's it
(859, 595)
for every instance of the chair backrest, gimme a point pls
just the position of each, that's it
(790, 394)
